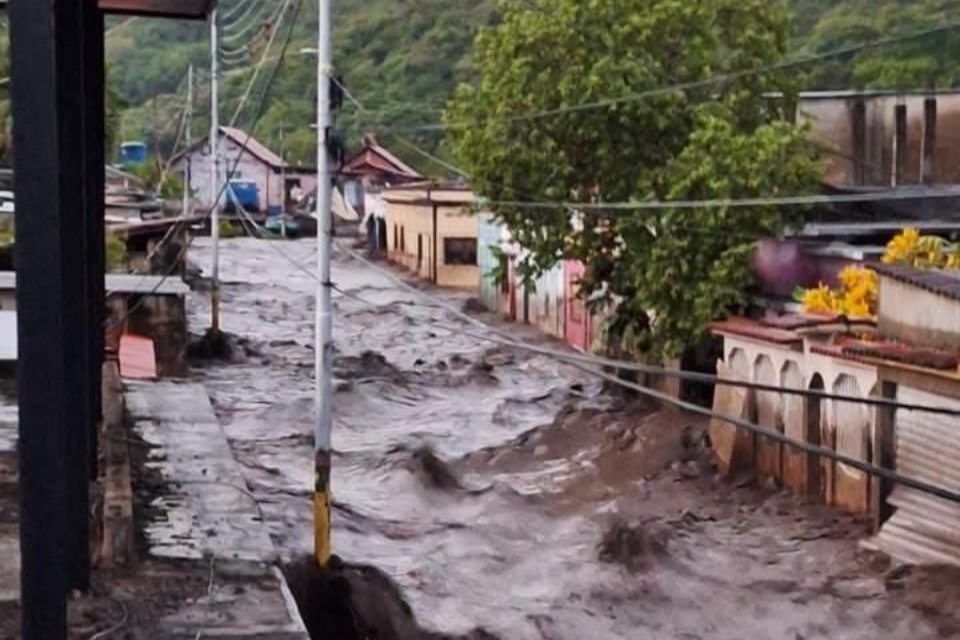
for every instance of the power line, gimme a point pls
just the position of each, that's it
(596, 361)
(263, 58)
(261, 108)
(688, 86)
(723, 203)
(774, 435)
(257, 22)
(804, 200)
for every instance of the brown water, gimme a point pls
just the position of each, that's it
(503, 492)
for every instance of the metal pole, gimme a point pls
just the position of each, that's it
(215, 170)
(324, 337)
(189, 134)
(283, 173)
(189, 128)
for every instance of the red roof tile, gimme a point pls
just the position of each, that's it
(138, 361)
(750, 328)
(906, 354)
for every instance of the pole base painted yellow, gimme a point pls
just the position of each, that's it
(321, 520)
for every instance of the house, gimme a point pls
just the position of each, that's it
(278, 182)
(919, 310)
(365, 174)
(502, 289)
(911, 356)
(885, 138)
(432, 231)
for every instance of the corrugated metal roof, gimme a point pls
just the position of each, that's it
(924, 529)
(138, 359)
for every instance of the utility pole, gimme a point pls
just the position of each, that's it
(215, 187)
(189, 134)
(283, 173)
(324, 328)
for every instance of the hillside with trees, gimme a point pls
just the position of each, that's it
(404, 58)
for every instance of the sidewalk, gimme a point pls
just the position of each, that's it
(184, 551)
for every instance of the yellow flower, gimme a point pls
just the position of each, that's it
(903, 248)
(820, 300)
(953, 257)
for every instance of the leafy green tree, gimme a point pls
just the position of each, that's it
(664, 274)
(921, 63)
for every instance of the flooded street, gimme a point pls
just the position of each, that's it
(503, 493)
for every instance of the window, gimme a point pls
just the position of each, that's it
(460, 251)
(403, 239)
(396, 237)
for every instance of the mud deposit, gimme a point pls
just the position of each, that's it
(491, 494)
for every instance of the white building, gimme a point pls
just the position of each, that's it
(278, 183)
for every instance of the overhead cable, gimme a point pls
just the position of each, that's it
(691, 85)
(690, 407)
(596, 361)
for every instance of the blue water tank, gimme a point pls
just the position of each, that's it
(133, 154)
(245, 193)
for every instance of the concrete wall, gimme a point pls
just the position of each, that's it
(842, 426)
(916, 316)
(411, 241)
(579, 324)
(833, 119)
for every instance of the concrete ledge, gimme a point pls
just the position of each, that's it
(117, 535)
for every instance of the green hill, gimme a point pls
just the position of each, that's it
(402, 58)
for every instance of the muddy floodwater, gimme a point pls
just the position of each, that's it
(506, 497)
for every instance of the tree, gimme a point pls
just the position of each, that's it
(919, 63)
(663, 274)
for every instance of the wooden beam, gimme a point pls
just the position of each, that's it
(195, 9)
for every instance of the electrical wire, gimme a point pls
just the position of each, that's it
(230, 13)
(597, 361)
(263, 59)
(261, 108)
(255, 7)
(772, 434)
(695, 84)
(258, 23)
(731, 203)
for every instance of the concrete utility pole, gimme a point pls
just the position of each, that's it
(324, 337)
(189, 133)
(215, 170)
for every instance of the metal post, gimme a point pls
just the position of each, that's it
(189, 133)
(215, 184)
(324, 328)
(53, 52)
(189, 127)
(283, 176)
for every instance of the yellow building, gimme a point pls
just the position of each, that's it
(432, 231)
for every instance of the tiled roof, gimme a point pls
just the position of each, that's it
(381, 159)
(749, 328)
(797, 321)
(933, 280)
(893, 352)
(906, 354)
